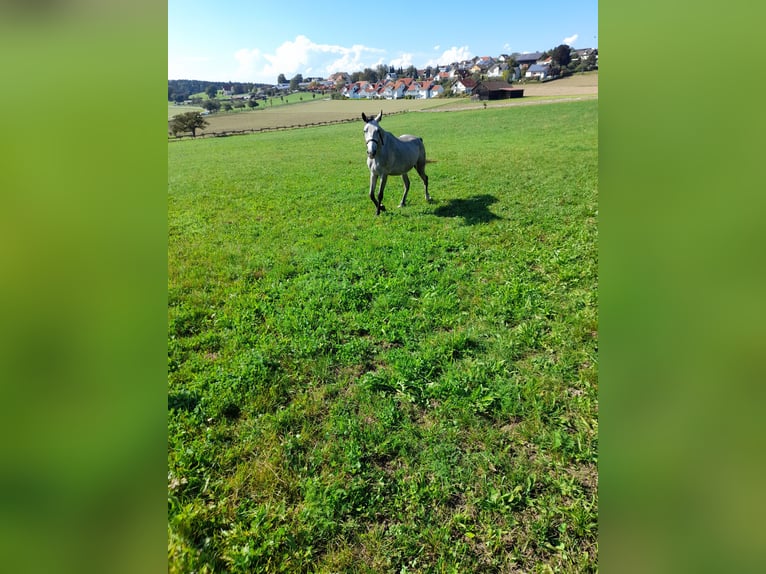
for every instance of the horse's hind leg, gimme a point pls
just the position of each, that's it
(421, 167)
(406, 180)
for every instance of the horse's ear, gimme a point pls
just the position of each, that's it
(365, 118)
(379, 116)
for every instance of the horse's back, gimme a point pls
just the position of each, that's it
(407, 138)
(413, 143)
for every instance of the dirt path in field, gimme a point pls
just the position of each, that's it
(511, 104)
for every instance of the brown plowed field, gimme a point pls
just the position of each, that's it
(577, 85)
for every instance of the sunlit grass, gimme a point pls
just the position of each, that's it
(414, 392)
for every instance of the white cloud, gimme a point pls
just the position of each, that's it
(507, 47)
(454, 54)
(301, 56)
(186, 67)
(403, 61)
(571, 40)
(351, 59)
(247, 60)
(437, 48)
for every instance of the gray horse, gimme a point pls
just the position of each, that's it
(389, 155)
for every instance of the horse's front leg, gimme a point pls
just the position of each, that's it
(373, 182)
(383, 179)
(406, 180)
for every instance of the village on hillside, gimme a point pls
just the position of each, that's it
(481, 77)
(469, 77)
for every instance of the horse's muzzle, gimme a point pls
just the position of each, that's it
(372, 149)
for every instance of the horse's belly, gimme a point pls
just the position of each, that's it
(400, 170)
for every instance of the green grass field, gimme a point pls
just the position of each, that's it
(415, 392)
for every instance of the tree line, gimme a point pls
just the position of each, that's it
(181, 90)
(562, 63)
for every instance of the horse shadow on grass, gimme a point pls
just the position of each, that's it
(473, 210)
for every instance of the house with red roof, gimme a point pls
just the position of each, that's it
(464, 86)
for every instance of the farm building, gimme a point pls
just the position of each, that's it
(497, 91)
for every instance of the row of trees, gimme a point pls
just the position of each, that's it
(181, 90)
(368, 75)
(213, 105)
(562, 63)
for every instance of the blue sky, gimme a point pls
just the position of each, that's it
(246, 41)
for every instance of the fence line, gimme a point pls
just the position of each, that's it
(227, 133)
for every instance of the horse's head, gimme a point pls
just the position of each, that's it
(373, 134)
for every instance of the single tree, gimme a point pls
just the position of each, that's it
(281, 79)
(211, 91)
(211, 105)
(370, 75)
(561, 56)
(252, 103)
(188, 122)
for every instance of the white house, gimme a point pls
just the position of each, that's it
(394, 90)
(539, 71)
(497, 70)
(430, 90)
(355, 91)
(370, 91)
(413, 90)
(464, 86)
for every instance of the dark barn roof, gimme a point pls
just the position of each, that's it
(497, 91)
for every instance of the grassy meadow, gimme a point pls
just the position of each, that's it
(415, 392)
